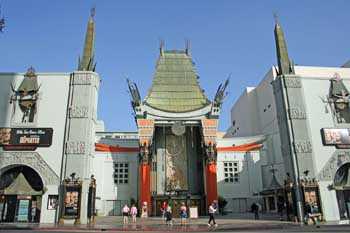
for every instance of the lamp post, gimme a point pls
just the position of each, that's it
(273, 171)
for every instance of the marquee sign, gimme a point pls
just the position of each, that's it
(335, 136)
(25, 138)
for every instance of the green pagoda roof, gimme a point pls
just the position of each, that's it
(175, 86)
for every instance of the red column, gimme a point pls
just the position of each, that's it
(211, 183)
(145, 186)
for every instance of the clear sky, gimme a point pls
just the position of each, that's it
(226, 37)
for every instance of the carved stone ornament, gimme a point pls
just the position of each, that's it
(79, 112)
(76, 147)
(33, 160)
(292, 82)
(86, 79)
(336, 161)
(178, 128)
(302, 146)
(82, 79)
(210, 151)
(145, 153)
(72, 180)
(297, 113)
(92, 181)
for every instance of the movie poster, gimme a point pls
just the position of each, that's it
(72, 201)
(52, 202)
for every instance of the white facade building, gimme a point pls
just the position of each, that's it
(116, 172)
(45, 161)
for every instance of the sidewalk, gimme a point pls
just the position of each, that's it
(230, 222)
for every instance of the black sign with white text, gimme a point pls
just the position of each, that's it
(25, 138)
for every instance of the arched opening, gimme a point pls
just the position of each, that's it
(342, 187)
(21, 190)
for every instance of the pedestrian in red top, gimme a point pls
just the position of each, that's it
(163, 209)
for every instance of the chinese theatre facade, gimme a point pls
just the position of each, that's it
(177, 127)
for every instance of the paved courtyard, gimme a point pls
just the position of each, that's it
(233, 222)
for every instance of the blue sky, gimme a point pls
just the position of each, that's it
(226, 37)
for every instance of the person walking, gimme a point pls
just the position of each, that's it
(280, 208)
(309, 214)
(255, 210)
(163, 209)
(212, 210)
(169, 216)
(125, 211)
(133, 213)
(183, 214)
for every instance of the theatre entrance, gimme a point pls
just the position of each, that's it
(342, 187)
(21, 191)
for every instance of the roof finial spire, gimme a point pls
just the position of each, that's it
(275, 16)
(284, 64)
(93, 11)
(87, 61)
(187, 42)
(161, 46)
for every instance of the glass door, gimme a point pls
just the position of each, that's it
(22, 212)
(9, 208)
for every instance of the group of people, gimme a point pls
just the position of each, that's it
(168, 217)
(167, 213)
(129, 211)
(308, 211)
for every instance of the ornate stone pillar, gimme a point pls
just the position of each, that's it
(210, 174)
(80, 133)
(209, 138)
(146, 129)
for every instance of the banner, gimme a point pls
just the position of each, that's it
(335, 136)
(25, 138)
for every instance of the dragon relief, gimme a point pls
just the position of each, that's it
(27, 95)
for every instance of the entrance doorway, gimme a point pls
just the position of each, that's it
(342, 187)
(21, 191)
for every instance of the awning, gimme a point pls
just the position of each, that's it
(20, 186)
(108, 148)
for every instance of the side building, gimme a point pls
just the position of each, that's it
(303, 112)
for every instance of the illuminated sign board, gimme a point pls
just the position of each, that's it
(25, 138)
(335, 136)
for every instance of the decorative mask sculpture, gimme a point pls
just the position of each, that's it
(26, 95)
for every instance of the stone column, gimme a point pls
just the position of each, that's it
(80, 132)
(210, 174)
(209, 127)
(146, 129)
(145, 178)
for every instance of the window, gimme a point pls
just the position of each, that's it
(231, 174)
(121, 173)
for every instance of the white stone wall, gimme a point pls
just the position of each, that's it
(254, 113)
(316, 84)
(111, 195)
(51, 113)
(240, 195)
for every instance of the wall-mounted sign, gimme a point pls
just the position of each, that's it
(335, 136)
(25, 138)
